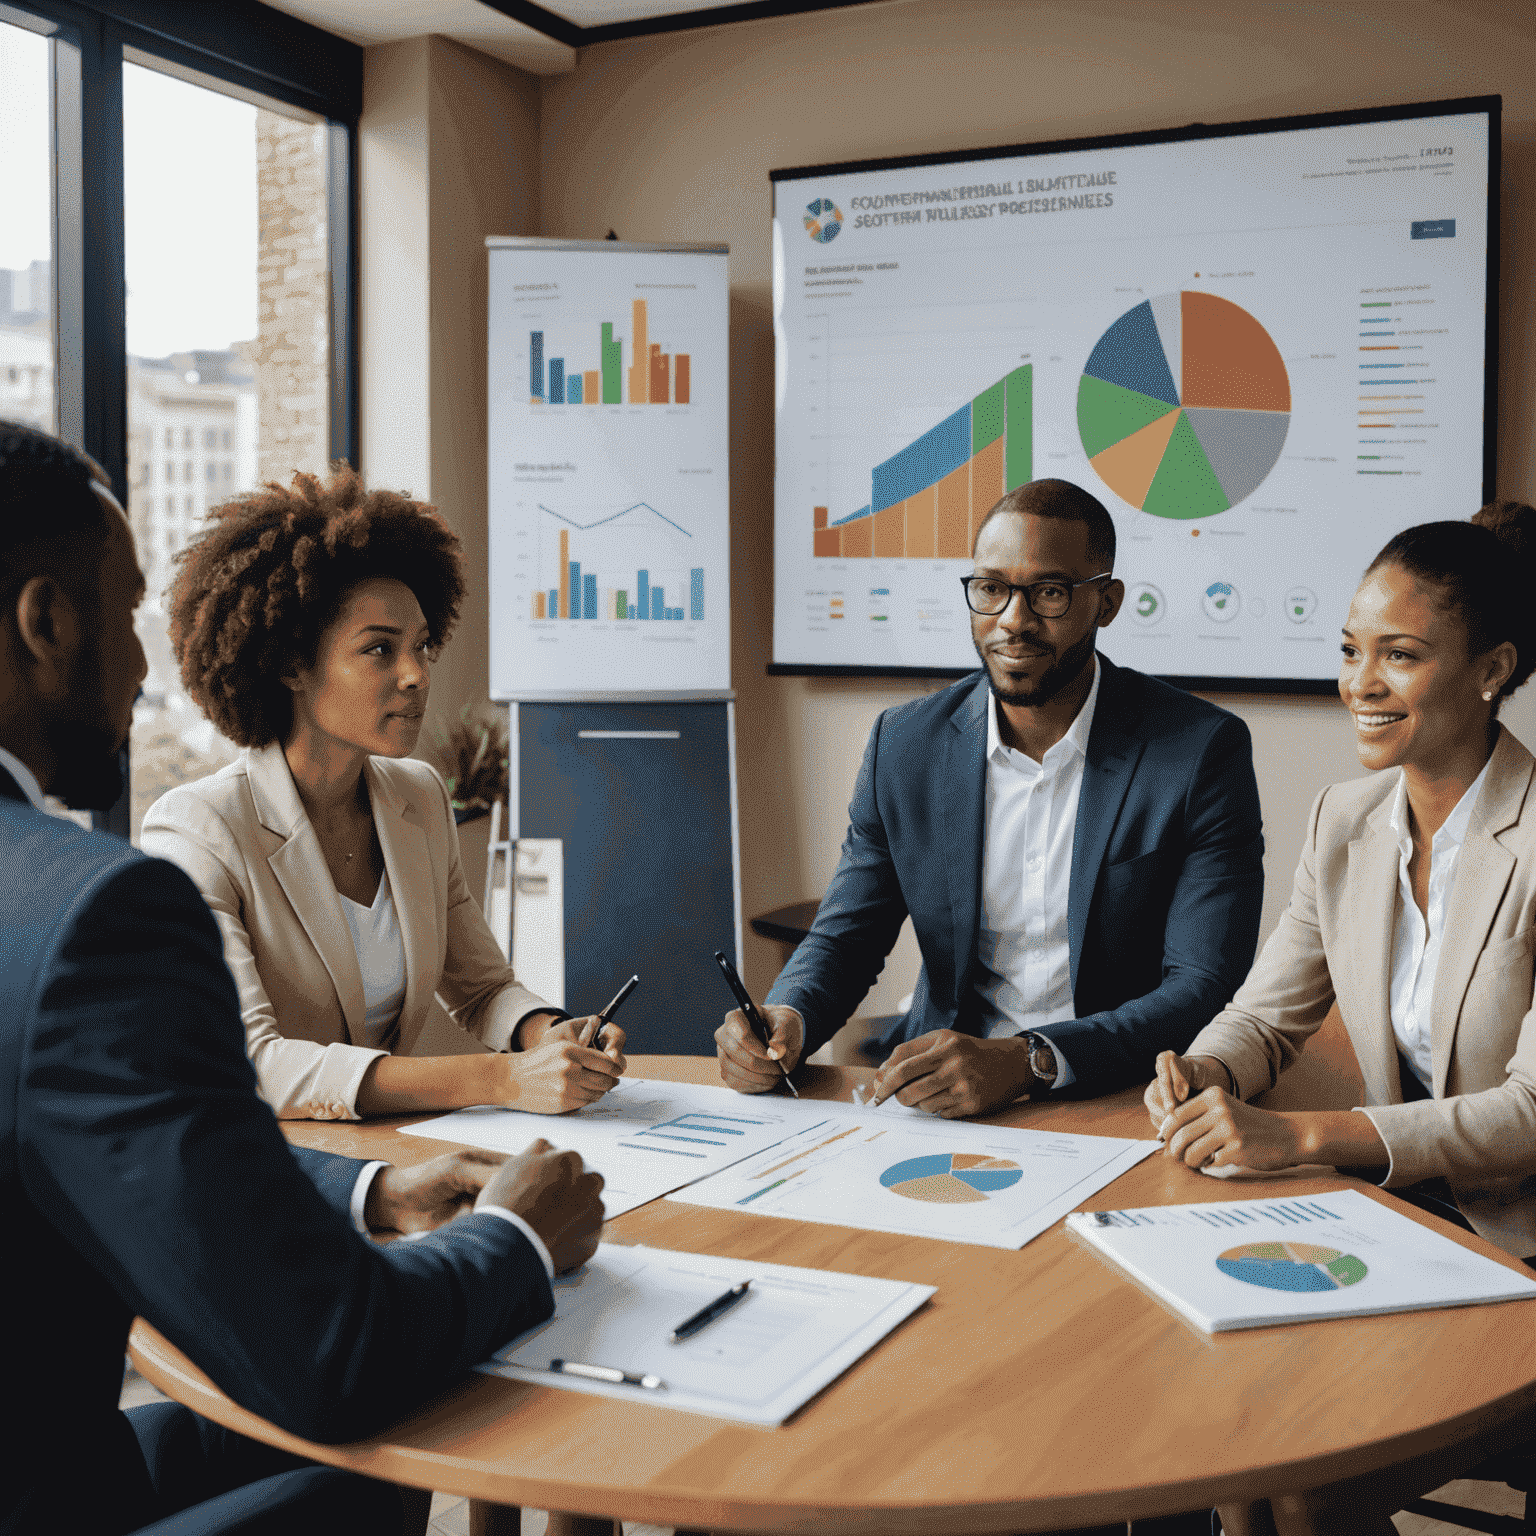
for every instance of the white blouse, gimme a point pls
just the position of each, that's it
(1415, 944)
(381, 959)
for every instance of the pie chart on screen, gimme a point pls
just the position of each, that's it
(1184, 405)
(951, 1178)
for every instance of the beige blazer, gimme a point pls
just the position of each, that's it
(244, 838)
(1334, 941)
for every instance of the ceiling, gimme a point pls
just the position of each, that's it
(540, 37)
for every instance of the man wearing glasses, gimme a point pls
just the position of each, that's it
(1078, 845)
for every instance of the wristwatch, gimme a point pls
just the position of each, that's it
(1042, 1059)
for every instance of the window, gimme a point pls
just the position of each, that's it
(209, 275)
(27, 350)
(79, 194)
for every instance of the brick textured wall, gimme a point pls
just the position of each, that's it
(293, 299)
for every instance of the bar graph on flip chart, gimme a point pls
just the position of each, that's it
(609, 473)
(634, 564)
(653, 377)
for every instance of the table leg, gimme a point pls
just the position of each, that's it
(415, 1511)
(487, 1519)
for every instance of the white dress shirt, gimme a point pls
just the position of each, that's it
(26, 780)
(1026, 875)
(1415, 944)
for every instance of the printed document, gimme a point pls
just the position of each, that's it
(644, 1137)
(923, 1177)
(1250, 1263)
(795, 1331)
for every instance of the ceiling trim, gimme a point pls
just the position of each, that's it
(574, 36)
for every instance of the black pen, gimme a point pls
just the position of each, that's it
(754, 1019)
(707, 1314)
(612, 1008)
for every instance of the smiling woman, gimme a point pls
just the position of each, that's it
(305, 623)
(1414, 907)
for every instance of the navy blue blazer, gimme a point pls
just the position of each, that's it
(1166, 889)
(140, 1173)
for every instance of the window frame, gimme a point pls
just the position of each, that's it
(254, 52)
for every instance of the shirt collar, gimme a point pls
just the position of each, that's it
(26, 780)
(1453, 831)
(1076, 738)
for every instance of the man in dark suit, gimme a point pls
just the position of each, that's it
(140, 1173)
(1079, 848)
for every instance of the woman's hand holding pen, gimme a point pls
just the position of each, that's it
(555, 1071)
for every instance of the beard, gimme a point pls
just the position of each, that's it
(89, 773)
(1065, 670)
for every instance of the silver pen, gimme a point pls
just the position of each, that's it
(609, 1373)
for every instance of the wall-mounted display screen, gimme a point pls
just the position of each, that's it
(1264, 347)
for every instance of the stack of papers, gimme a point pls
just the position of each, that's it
(795, 1331)
(1249, 1263)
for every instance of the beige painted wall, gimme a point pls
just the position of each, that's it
(448, 153)
(673, 137)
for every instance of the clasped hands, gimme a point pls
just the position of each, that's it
(943, 1073)
(1203, 1124)
(550, 1190)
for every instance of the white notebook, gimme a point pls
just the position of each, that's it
(1250, 1263)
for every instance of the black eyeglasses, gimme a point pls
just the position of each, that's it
(1048, 599)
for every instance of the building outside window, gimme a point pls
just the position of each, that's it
(26, 231)
(228, 339)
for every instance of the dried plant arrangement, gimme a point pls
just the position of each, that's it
(472, 755)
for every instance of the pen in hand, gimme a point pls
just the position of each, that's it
(755, 1021)
(612, 1008)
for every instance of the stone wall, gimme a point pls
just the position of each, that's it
(293, 299)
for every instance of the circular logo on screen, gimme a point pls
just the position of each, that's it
(823, 219)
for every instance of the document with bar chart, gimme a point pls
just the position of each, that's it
(1262, 347)
(644, 1137)
(609, 474)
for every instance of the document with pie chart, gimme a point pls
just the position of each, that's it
(1252, 1263)
(921, 1176)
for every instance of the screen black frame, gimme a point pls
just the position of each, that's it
(1493, 106)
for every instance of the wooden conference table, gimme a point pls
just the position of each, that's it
(1038, 1389)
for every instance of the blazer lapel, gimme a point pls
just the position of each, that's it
(408, 862)
(1483, 870)
(1363, 981)
(963, 779)
(300, 868)
(1114, 749)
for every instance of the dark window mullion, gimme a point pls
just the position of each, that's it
(341, 235)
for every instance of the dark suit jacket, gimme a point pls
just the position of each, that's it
(1166, 889)
(140, 1173)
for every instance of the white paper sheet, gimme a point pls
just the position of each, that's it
(923, 1177)
(794, 1332)
(645, 1137)
(1250, 1263)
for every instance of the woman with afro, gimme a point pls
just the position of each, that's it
(305, 622)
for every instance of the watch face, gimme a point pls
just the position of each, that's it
(1042, 1060)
